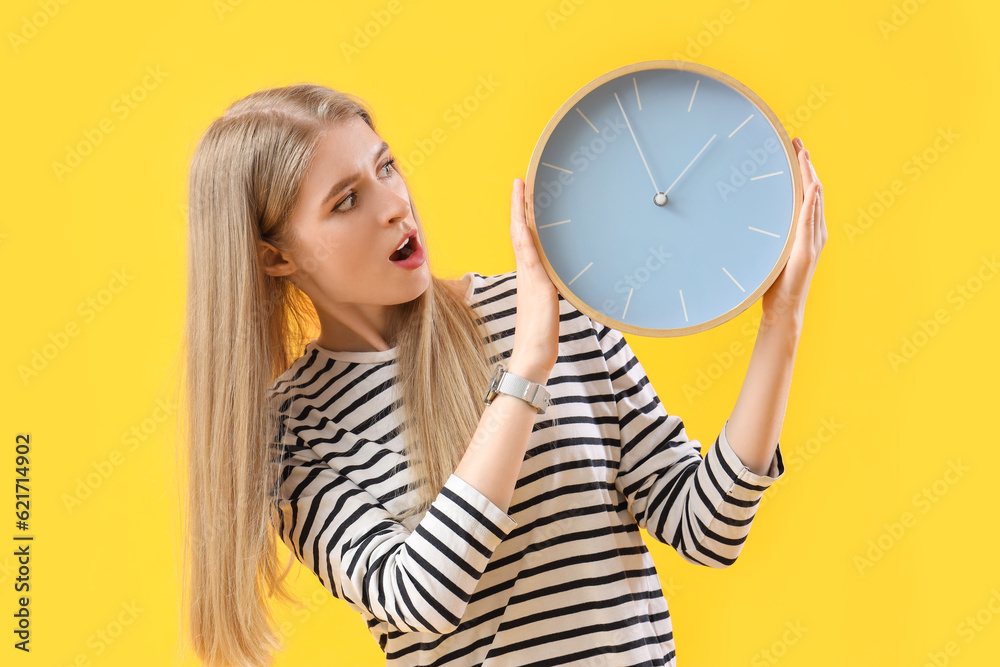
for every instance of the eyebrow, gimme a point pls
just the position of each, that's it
(344, 182)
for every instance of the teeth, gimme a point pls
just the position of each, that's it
(405, 241)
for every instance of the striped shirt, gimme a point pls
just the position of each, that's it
(562, 577)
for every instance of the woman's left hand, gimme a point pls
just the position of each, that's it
(785, 299)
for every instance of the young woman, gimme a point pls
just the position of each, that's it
(463, 533)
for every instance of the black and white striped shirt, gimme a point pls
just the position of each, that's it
(563, 577)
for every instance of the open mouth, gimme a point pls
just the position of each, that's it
(409, 246)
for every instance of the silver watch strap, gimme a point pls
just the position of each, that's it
(532, 393)
(516, 385)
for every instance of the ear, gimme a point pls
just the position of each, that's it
(273, 261)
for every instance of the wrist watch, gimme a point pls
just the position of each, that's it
(530, 392)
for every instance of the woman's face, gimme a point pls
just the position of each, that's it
(351, 215)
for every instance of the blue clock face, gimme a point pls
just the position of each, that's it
(662, 196)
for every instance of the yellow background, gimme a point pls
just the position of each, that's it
(863, 437)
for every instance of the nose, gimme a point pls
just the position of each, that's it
(395, 205)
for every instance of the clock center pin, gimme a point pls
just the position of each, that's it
(660, 198)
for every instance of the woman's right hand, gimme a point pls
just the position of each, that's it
(536, 333)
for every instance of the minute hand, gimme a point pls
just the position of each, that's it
(637, 144)
(689, 164)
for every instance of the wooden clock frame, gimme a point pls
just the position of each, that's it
(529, 194)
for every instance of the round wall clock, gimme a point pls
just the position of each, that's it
(662, 198)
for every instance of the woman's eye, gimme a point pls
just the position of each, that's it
(388, 166)
(339, 207)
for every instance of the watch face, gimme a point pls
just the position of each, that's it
(662, 198)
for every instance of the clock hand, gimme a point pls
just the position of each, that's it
(661, 198)
(689, 164)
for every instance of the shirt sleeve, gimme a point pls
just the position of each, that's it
(703, 507)
(419, 580)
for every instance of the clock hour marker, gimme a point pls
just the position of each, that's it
(733, 279)
(638, 101)
(627, 302)
(579, 274)
(588, 120)
(683, 306)
(757, 178)
(553, 224)
(693, 94)
(754, 229)
(546, 164)
(739, 126)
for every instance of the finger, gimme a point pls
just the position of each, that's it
(808, 205)
(812, 168)
(799, 148)
(516, 203)
(812, 215)
(813, 204)
(807, 217)
(820, 218)
(808, 175)
(816, 203)
(517, 213)
(819, 221)
(524, 245)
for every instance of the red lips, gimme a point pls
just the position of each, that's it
(402, 253)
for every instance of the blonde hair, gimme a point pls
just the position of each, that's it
(244, 328)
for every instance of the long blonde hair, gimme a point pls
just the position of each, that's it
(244, 328)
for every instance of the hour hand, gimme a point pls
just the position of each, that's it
(690, 163)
